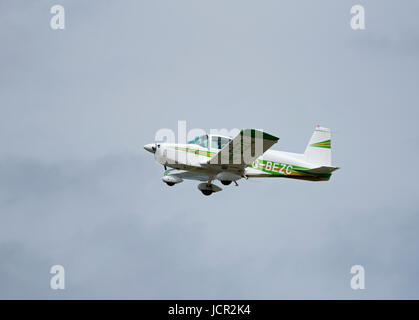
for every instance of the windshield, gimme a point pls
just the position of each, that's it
(200, 141)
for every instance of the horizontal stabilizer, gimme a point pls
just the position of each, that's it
(320, 170)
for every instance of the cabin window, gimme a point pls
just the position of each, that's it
(203, 141)
(214, 142)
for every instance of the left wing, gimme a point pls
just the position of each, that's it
(247, 146)
(188, 175)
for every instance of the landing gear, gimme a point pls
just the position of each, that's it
(206, 192)
(208, 188)
(226, 182)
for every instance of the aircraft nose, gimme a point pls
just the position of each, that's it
(151, 147)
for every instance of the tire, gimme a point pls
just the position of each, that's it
(226, 182)
(206, 192)
(170, 184)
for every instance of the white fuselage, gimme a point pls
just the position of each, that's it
(193, 158)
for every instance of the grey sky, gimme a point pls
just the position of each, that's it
(77, 189)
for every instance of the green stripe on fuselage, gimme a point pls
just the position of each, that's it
(200, 152)
(286, 170)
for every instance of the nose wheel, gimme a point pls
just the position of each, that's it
(208, 188)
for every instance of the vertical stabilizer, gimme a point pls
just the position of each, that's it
(319, 149)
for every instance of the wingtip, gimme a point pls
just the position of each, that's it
(265, 136)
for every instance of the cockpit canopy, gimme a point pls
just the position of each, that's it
(216, 142)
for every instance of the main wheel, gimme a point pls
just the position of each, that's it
(226, 182)
(206, 192)
(170, 184)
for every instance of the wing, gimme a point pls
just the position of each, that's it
(188, 175)
(247, 146)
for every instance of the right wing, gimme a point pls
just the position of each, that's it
(247, 146)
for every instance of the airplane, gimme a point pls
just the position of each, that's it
(248, 155)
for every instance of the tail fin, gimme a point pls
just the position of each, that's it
(319, 150)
